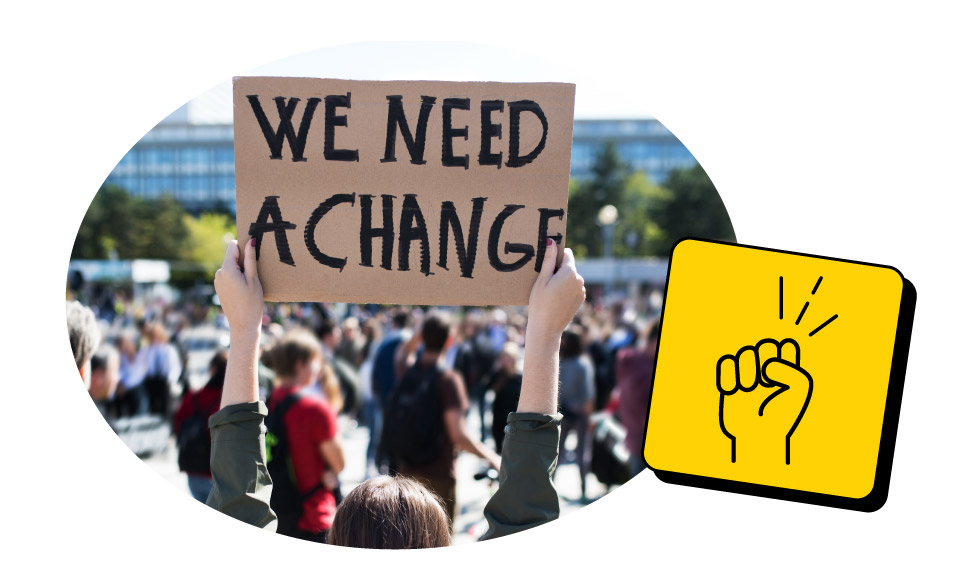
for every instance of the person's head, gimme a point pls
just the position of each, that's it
(350, 328)
(399, 320)
(217, 368)
(328, 332)
(508, 358)
(471, 324)
(371, 329)
(296, 358)
(157, 334)
(571, 344)
(84, 335)
(127, 346)
(390, 513)
(371, 334)
(297, 361)
(105, 372)
(435, 331)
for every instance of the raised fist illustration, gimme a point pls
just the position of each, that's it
(764, 393)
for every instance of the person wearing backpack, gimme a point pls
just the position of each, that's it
(163, 369)
(577, 393)
(424, 425)
(303, 440)
(395, 512)
(505, 381)
(191, 428)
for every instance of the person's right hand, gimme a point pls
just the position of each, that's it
(239, 289)
(557, 293)
(764, 393)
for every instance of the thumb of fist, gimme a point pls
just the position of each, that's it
(786, 376)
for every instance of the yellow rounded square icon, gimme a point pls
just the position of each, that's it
(779, 374)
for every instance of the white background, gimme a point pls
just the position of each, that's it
(827, 129)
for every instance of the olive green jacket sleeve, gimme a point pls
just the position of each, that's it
(242, 487)
(526, 497)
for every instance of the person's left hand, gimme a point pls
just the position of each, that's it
(556, 296)
(239, 289)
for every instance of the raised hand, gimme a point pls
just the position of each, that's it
(764, 393)
(239, 289)
(242, 298)
(557, 293)
(554, 299)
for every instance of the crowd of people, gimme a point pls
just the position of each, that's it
(409, 375)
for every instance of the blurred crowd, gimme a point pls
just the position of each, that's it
(158, 368)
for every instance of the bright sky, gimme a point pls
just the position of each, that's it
(435, 61)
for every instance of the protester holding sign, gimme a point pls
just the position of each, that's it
(394, 512)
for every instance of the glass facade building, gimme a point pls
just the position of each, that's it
(195, 162)
(646, 145)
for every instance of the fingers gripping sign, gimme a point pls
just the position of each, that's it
(764, 393)
(239, 289)
(558, 292)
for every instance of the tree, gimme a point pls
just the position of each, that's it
(631, 193)
(122, 226)
(165, 232)
(206, 241)
(588, 196)
(686, 205)
(106, 229)
(694, 210)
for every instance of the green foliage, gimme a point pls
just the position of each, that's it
(207, 235)
(207, 239)
(122, 226)
(633, 194)
(651, 218)
(104, 229)
(695, 210)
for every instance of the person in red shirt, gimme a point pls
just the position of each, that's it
(205, 402)
(312, 431)
(634, 376)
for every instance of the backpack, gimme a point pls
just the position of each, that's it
(194, 443)
(413, 433)
(610, 460)
(475, 361)
(348, 385)
(286, 500)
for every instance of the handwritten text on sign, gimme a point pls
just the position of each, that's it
(401, 192)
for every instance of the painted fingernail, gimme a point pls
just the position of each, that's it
(550, 241)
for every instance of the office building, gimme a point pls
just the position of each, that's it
(646, 145)
(186, 156)
(190, 154)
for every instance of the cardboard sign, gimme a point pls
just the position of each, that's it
(401, 192)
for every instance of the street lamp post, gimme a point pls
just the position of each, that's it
(606, 218)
